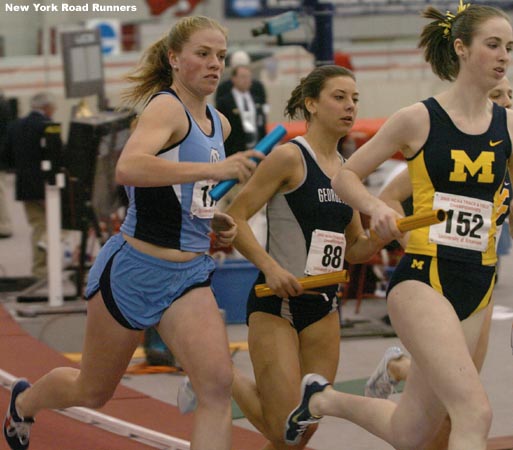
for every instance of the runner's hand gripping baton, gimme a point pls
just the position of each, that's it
(314, 281)
(265, 145)
(327, 279)
(421, 220)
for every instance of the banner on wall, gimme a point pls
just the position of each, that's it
(110, 34)
(266, 8)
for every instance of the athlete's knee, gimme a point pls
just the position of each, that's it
(472, 406)
(414, 435)
(95, 396)
(477, 418)
(215, 385)
(486, 417)
(410, 441)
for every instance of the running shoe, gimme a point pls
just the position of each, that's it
(186, 397)
(301, 417)
(381, 384)
(16, 428)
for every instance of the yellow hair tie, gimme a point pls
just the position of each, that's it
(462, 7)
(446, 24)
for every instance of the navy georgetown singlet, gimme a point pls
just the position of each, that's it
(295, 216)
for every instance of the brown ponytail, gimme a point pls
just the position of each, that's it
(311, 87)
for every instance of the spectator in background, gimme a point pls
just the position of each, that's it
(5, 219)
(242, 99)
(257, 89)
(244, 112)
(23, 148)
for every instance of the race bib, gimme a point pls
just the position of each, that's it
(326, 252)
(203, 206)
(468, 222)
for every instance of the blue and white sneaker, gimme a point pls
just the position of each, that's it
(186, 397)
(301, 418)
(381, 384)
(16, 428)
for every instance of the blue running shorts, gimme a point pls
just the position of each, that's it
(138, 288)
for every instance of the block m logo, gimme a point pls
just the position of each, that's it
(482, 164)
(416, 264)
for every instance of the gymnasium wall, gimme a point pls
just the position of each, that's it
(387, 79)
(21, 29)
(389, 69)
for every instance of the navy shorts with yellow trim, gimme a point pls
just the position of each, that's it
(138, 288)
(300, 311)
(467, 286)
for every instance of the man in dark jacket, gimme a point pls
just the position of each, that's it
(24, 150)
(257, 89)
(244, 111)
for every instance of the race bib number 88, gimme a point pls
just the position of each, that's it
(326, 253)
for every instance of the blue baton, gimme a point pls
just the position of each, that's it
(265, 145)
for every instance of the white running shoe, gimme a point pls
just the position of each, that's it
(186, 398)
(380, 384)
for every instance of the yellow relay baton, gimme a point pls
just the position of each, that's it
(328, 279)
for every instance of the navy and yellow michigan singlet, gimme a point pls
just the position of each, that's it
(464, 175)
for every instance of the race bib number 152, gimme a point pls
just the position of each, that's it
(467, 225)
